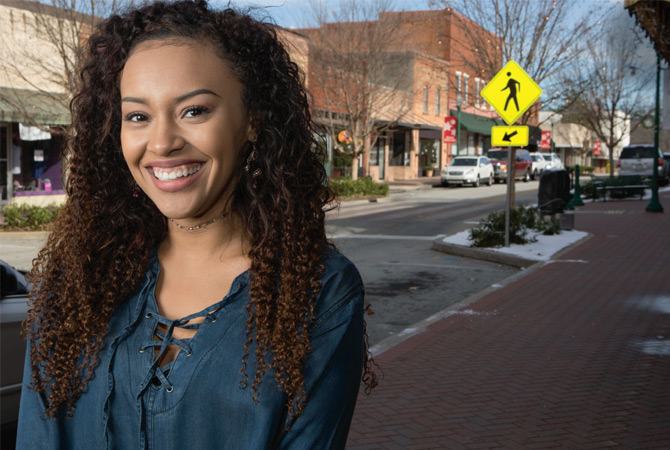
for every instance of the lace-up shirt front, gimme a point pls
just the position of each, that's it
(197, 401)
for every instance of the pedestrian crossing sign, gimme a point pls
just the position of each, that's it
(515, 136)
(511, 92)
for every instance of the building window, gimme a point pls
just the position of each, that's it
(459, 99)
(425, 99)
(477, 95)
(437, 102)
(466, 78)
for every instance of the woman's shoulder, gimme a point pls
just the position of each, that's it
(340, 270)
(342, 290)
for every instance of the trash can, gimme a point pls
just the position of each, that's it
(554, 191)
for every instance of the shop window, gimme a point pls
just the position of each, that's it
(429, 150)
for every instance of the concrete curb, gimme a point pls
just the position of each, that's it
(482, 254)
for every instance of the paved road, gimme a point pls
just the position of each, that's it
(390, 243)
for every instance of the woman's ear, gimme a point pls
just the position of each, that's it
(251, 132)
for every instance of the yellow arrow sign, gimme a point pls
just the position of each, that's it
(511, 92)
(509, 136)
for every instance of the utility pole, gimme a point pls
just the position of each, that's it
(654, 205)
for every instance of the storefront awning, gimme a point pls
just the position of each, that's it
(476, 124)
(25, 106)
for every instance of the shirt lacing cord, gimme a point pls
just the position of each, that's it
(166, 339)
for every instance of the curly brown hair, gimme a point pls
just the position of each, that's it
(101, 243)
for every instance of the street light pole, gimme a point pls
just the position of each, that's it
(654, 205)
(458, 129)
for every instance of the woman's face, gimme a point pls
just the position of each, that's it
(183, 126)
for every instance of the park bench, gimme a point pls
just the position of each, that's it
(624, 191)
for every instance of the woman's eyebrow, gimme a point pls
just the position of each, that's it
(179, 99)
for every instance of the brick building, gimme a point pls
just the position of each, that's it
(435, 69)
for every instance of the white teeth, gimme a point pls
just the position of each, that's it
(172, 173)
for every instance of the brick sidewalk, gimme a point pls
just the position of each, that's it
(575, 355)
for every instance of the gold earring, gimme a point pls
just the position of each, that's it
(250, 159)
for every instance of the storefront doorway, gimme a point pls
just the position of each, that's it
(5, 168)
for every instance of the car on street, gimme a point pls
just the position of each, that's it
(468, 170)
(553, 160)
(13, 311)
(538, 165)
(523, 164)
(638, 159)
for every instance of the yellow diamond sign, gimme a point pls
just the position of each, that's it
(516, 136)
(511, 92)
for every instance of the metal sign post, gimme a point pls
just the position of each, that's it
(511, 92)
(508, 203)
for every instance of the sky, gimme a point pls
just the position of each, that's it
(296, 13)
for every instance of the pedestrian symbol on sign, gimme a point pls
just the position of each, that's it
(512, 86)
(511, 92)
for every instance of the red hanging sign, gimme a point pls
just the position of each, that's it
(596, 148)
(546, 140)
(449, 130)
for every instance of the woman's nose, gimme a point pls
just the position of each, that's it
(165, 137)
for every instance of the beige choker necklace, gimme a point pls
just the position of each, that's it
(197, 227)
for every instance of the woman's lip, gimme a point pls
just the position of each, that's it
(174, 185)
(172, 163)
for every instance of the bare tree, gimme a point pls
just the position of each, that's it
(611, 84)
(39, 50)
(542, 36)
(357, 80)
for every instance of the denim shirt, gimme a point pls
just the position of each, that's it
(196, 401)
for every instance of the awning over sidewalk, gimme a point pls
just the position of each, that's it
(653, 16)
(25, 106)
(476, 124)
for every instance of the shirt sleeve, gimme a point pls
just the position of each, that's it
(334, 368)
(35, 430)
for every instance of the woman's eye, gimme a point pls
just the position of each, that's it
(195, 111)
(135, 117)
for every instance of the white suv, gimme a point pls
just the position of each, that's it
(468, 170)
(637, 159)
(539, 164)
(554, 160)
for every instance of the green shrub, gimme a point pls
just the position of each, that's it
(582, 169)
(345, 187)
(491, 231)
(28, 217)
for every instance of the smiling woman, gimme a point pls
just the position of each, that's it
(187, 296)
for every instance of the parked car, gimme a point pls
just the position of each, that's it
(637, 159)
(523, 164)
(468, 170)
(13, 311)
(554, 161)
(538, 165)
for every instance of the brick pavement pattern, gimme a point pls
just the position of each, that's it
(575, 355)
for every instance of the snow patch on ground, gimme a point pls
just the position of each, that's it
(654, 303)
(542, 250)
(658, 347)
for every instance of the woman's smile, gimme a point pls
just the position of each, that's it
(170, 176)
